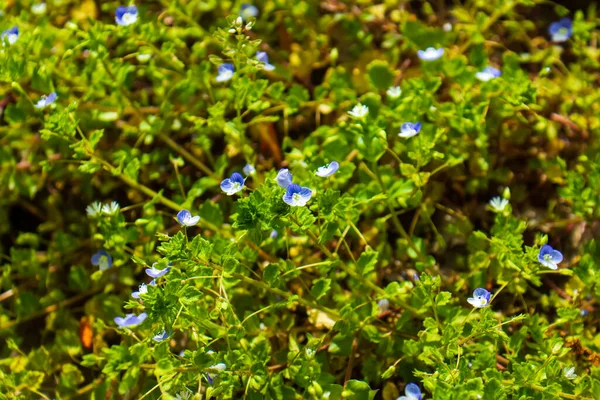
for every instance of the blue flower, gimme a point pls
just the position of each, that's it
(383, 305)
(225, 72)
(328, 170)
(219, 367)
(562, 30)
(11, 35)
(249, 169)
(248, 10)
(143, 289)
(409, 129)
(102, 259)
(126, 15)
(264, 58)
(233, 184)
(161, 336)
(284, 178)
(273, 234)
(130, 320)
(411, 392)
(297, 196)
(549, 257)
(430, 53)
(185, 218)
(481, 298)
(156, 273)
(45, 101)
(359, 111)
(488, 73)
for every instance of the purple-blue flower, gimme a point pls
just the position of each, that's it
(411, 392)
(102, 259)
(328, 170)
(409, 129)
(296, 195)
(249, 169)
(126, 15)
(273, 234)
(161, 336)
(233, 184)
(143, 289)
(488, 73)
(185, 218)
(481, 298)
(156, 273)
(45, 101)
(247, 11)
(562, 30)
(225, 72)
(264, 58)
(430, 53)
(284, 178)
(549, 257)
(11, 35)
(130, 320)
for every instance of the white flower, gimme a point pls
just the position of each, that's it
(394, 92)
(359, 111)
(430, 53)
(498, 204)
(94, 209)
(570, 372)
(111, 209)
(447, 27)
(39, 9)
(218, 367)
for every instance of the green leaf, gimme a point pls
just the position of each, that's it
(380, 75)
(367, 261)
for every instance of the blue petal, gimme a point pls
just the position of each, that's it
(284, 178)
(556, 256)
(226, 185)
(481, 292)
(183, 215)
(237, 178)
(412, 391)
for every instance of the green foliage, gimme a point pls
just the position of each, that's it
(352, 296)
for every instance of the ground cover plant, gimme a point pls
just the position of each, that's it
(299, 200)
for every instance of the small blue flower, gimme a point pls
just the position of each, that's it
(249, 170)
(102, 259)
(125, 16)
(383, 305)
(264, 58)
(11, 35)
(488, 73)
(156, 273)
(549, 257)
(411, 392)
(143, 289)
(297, 196)
(161, 336)
(328, 170)
(359, 111)
(219, 367)
(45, 101)
(233, 184)
(430, 53)
(247, 11)
(225, 72)
(130, 320)
(481, 298)
(284, 178)
(562, 30)
(273, 234)
(409, 129)
(185, 218)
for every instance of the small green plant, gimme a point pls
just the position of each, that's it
(299, 200)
